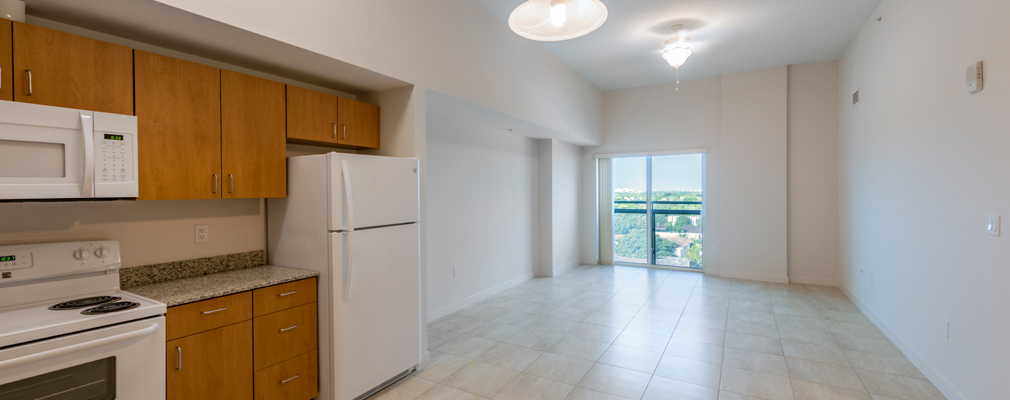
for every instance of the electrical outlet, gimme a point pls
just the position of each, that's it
(715, 247)
(202, 233)
(455, 272)
(871, 278)
(946, 329)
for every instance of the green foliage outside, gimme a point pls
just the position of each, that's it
(632, 228)
(632, 245)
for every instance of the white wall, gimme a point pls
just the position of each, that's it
(545, 203)
(421, 42)
(753, 126)
(482, 213)
(741, 119)
(149, 231)
(566, 182)
(813, 173)
(922, 162)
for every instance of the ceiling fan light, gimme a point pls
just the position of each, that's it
(558, 14)
(538, 19)
(677, 56)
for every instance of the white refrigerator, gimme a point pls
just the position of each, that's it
(353, 219)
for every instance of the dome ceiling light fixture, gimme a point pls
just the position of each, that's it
(556, 20)
(676, 50)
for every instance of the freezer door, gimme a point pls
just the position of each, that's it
(369, 191)
(375, 332)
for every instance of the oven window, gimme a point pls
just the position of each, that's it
(95, 380)
(32, 159)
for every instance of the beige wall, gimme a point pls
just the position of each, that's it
(813, 173)
(744, 121)
(149, 231)
(921, 164)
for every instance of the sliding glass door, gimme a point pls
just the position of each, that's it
(658, 216)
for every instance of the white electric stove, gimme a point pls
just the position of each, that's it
(68, 332)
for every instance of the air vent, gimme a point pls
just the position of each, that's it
(855, 98)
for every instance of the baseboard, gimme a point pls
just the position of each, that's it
(425, 359)
(941, 383)
(566, 267)
(468, 301)
(814, 281)
(755, 277)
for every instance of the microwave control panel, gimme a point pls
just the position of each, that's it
(115, 157)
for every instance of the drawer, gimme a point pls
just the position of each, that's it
(282, 335)
(294, 379)
(284, 296)
(209, 314)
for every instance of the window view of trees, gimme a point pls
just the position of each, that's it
(677, 239)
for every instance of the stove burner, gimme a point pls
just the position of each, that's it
(111, 307)
(83, 303)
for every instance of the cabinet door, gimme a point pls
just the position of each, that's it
(71, 71)
(312, 116)
(6, 65)
(359, 123)
(252, 137)
(179, 128)
(215, 364)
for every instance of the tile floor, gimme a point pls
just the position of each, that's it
(601, 332)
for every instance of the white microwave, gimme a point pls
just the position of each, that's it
(62, 153)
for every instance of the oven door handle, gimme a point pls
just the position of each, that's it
(77, 347)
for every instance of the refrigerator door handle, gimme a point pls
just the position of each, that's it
(348, 195)
(348, 265)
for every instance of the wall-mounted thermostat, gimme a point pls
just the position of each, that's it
(974, 78)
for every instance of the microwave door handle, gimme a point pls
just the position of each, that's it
(35, 357)
(88, 182)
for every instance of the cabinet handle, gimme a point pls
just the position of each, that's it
(215, 184)
(214, 311)
(29, 82)
(290, 379)
(345, 131)
(231, 184)
(178, 358)
(287, 294)
(334, 130)
(289, 328)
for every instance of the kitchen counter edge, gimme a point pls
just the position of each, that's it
(190, 290)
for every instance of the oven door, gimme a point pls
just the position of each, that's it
(46, 152)
(125, 361)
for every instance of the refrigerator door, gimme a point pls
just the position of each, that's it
(376, 330)
(370, 191)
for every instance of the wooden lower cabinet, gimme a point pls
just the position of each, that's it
(216, 349)
(216, 364)
(296, 378)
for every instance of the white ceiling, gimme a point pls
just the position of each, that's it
(728, 36)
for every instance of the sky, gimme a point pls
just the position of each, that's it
(669, 173)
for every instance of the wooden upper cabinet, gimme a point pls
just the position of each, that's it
(6, 66)
(252, 137)
(358, 123)
(312, 116)
(59, 69)
(216, 364)
(179, 128)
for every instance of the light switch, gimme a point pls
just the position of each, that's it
(993, 225)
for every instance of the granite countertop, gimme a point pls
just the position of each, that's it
(188, 290)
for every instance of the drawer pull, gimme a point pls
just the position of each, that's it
(291, 378)
(214, 311)
(287, 294)
(289, 328)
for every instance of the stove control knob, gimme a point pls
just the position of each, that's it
(82, 254)
(102, 252)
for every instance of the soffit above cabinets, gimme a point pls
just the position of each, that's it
(166, 27)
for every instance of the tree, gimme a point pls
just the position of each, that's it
(694, 255)
(625, 223)
(632, 245)
(681, 221)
